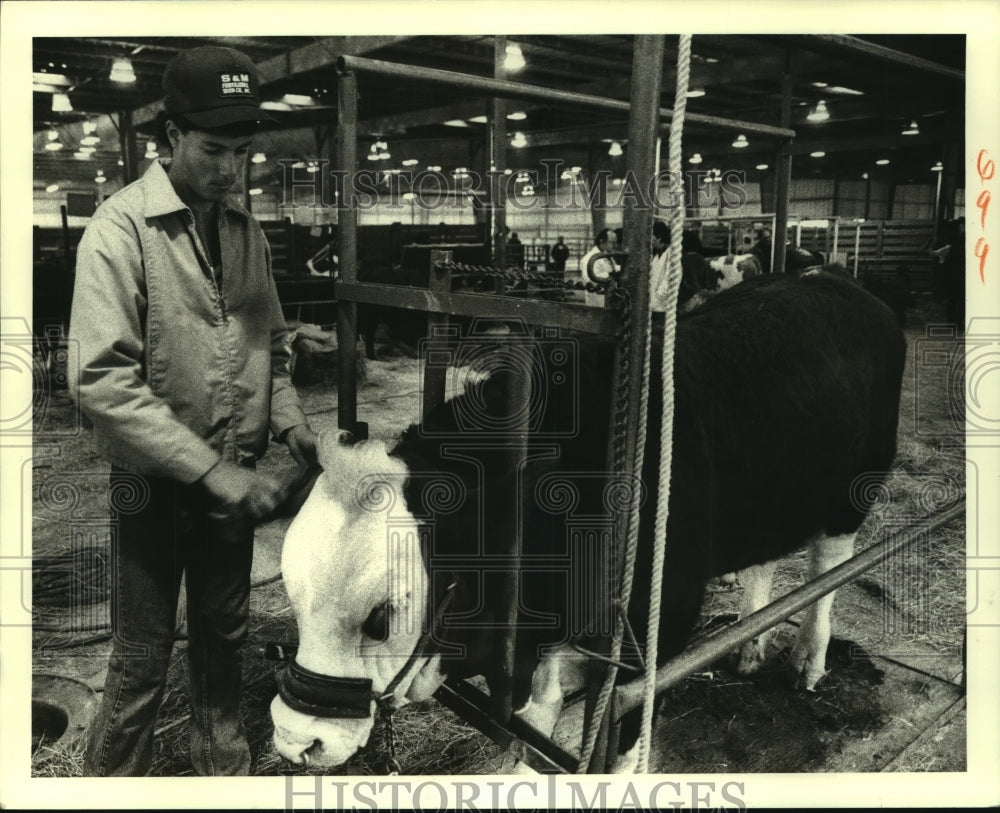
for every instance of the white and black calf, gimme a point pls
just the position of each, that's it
(787, 390)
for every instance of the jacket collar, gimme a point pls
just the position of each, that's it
(162, 199)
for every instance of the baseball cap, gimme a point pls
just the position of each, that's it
(212, 86)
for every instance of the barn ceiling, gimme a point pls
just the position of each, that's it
(873, 87)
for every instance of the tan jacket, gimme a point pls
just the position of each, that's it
(173, 372)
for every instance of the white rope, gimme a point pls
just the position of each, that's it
(666, 431)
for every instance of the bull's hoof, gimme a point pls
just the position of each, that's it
(809, 668)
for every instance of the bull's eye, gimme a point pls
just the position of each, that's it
(376, 626)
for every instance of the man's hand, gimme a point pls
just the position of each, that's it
(301, 442)
(241, 494)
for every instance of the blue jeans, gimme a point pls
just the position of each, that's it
(152, 545)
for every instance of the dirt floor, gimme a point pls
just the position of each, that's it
(893, 700)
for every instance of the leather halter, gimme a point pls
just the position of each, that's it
(334, 697)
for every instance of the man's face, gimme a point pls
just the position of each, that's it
(206, 165)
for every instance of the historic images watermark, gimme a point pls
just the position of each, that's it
(549, 793)
(314, 185)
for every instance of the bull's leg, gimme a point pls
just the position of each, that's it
(809, 654)
(756, 581)
(543, 707)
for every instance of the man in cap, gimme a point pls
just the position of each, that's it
(183, 369)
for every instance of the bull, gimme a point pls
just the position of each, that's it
(787, 396)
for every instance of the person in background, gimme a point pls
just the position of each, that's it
(559, 253)
(658, 267)
(182, 367)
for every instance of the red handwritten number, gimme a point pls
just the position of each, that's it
(982, 250)
(986, 169)
(983, 203)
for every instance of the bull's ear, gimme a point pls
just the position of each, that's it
(376, 626)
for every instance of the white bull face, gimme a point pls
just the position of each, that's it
(355, 576)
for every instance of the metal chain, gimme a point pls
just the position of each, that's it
(512, 276)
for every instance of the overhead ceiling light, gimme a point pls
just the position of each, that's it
(616, 181)
(761, 167)
(615, 149)
(514, 59)
(845, 91)
(820, 84)
(312, 167)
(53, 135)
(410, 162)
(741, 142)
(89, 149)
(913, 129)
(456, 123)
(256, 191)
(121, 163)
(695, 159)
(711, 60)
(528, 191)
(151, 152)
(122, 71)
(519, 140)
(99, 178)
(61, 103)
(408, 196)
(275, 106)
(937, 167)
(695, 93)
(52, 188)
(517, 115)
(434, 168)
(817, 154)
(89, 127)
(54, 145)
(385, 155)
(819, 112)
(478, 120)
(258, 158)
(298, 100)
(89, 141)
(566, 176)
(50, 82)
(81, 155)
(882, 162)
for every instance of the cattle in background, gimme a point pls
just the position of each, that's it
(787, 396)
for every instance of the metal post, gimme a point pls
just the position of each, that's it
(129, 148)
(708, 651)
(497, 150)
(782, 174)
(647, 72)
(435, 375)
(347, 232)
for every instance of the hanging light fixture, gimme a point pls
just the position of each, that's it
(819, 112)
(258, 158)
(695, 159)
(90, 140)
(54, 145)
(52, 188)
(817, 154)
(695, 93)
(122, 71)
(519, 140)
(514, 59)
(913, 129)
(615, 149)
(256, 191)
(99, 178)
(517, 115)
(882, 162)
(741, 142)
(61, 103)
(761, 167)
(151, 152)
(937, 167)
